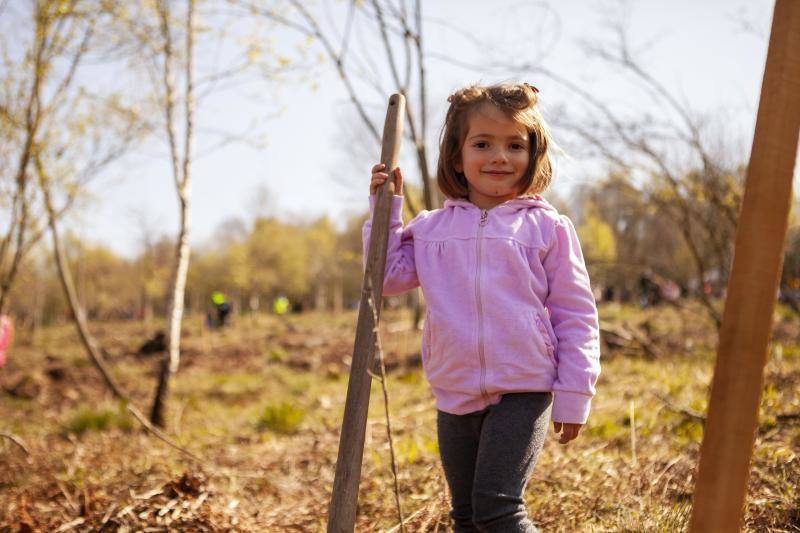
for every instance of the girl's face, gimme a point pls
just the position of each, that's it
(494, 157)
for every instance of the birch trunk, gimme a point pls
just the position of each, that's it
(179, 284)
(171, 360)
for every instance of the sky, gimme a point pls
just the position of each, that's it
(314, 160)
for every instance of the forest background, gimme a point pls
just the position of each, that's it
(651, 170)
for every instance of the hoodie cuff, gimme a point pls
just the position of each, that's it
(396, 216)
(571, 407)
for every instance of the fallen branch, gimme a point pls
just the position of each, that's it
(629, 338)
(160, 435)
(672, 463)
(70, 525)
(213, 470)
(783, 417)
(408, 519)
(678, 409)
(16, 440)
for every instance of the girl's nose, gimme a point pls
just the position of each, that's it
(500, 156)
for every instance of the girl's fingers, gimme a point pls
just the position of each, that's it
(378, 179)
(398, 181)
(568, 431)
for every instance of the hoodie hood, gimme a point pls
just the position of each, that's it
(522, 202)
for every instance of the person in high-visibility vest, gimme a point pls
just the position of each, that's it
(281, 305)
(222, 306)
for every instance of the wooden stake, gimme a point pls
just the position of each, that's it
(342, 509)
(738, 377)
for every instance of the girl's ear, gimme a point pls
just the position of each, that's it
(458, 166)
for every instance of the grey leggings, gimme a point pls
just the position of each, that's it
(488, 457)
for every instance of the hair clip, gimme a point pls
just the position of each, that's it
(534, 89)
(451, 98)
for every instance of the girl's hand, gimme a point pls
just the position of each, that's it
(568, 431)
(379, 177)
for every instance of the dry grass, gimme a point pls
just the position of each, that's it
(261, 403)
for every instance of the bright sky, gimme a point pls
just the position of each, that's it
(710, 53)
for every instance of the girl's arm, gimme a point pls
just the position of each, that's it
(573, 314)
(401, 271)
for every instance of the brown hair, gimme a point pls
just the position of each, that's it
(518, 101)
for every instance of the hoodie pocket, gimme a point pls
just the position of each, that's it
(548, 342)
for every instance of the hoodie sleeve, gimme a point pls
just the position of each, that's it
(573, 314)
(401, 271)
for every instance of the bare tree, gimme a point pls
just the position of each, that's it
(399, 24)
(151, 30)
(69, 135)
(672, 158)
(181, 161)
(59, 33)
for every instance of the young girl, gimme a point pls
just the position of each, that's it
(511, 334)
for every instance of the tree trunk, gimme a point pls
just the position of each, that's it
(320, 297)
(147, 313)
(171, 361)
(338, 295)
(254, 303)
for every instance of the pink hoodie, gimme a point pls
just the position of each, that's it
(509, 304)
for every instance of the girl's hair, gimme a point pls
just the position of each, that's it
(518, 102)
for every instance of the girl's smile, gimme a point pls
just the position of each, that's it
(494, 157)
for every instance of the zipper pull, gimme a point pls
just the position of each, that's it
(484, 217)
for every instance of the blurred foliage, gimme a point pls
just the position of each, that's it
(98, 419)
(318, 264)
(283, 418)
(599, 242)
(313, 263)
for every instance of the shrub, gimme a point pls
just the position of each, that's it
(88, 419)
(278, 355)
(281, 418)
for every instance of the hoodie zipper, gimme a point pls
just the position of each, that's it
(481, 356)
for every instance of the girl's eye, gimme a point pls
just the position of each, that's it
(481, 144)
(517, 146)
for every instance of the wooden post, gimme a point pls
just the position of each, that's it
(342, 509)
(738, 377)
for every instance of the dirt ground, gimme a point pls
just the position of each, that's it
(259, 405)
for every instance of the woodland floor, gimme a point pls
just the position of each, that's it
(261, 404)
